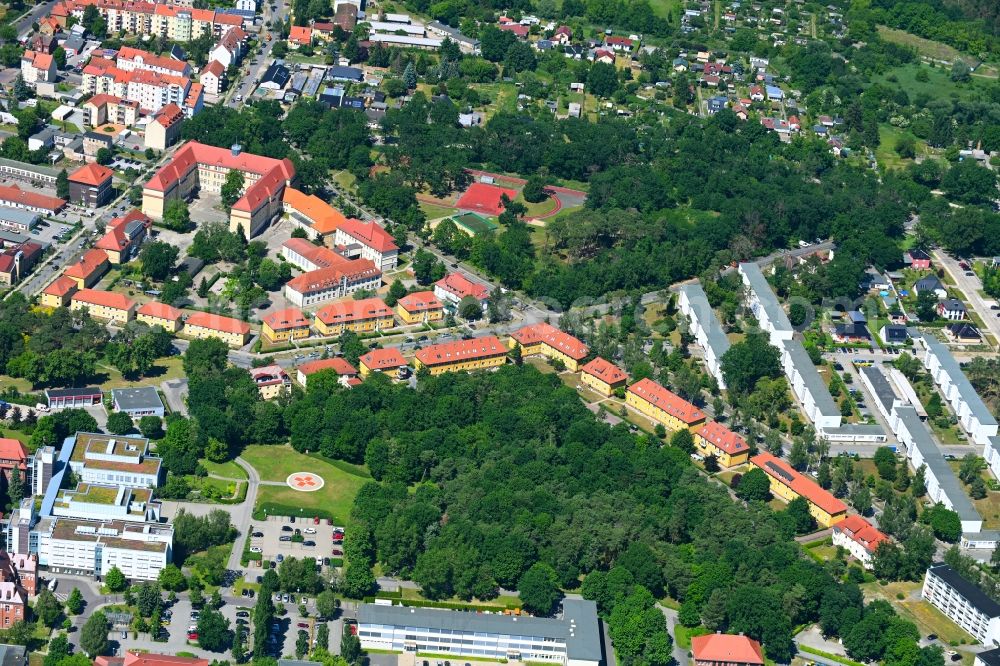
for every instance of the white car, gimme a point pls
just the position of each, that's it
(255, 549)
(310, 530)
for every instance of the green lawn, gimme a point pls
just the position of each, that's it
(333, 500)
(13, 434)
(433, 212)
(937, 86)
(886, 153)
(925, 47)
(228, 470)
(162, 370)
(664, 7)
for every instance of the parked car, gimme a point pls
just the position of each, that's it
(302, 625)
(243, 613)
(286, 528)
(192, 636)
(257, 534)
(309, 544)
(255, 549)
(285, 538)
(310, 530)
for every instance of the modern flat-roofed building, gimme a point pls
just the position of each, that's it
(233, 332)
(726, 650)
(83, 547)
(715, 439)
(381, 360)
(475, 354)
(808, 386)
(137, 402)
(859, 538)
(366, 315)
(572, 639)
(73, 397)
(419, 307)
(963, 603)
(603, 376)
(675, 413)
(705, 326)
(764, 304)
(988, 658)
(18, 220)
(547, 340)
(788, 484)
(91, 501)
(108, 460)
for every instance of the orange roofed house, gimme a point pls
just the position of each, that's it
(726, 650)
(108, 305)
(419, 307)
(453, 287)
(165, 127)
(381, 360)
(549, 341)
(603, 376)
(149, 659)
(198, 166)
(788, 484)
(311, 214)
(717, 440)
(675, 413)
(58, 293)
(90, 185)
(125, 235)
(86, 272)
(341, 278)
(859, 537)
(367, 240)
(300, 36)
(285, 325)
(160, 314)
(363, 316)
(344, 370)
(474, 354)
(233, 332)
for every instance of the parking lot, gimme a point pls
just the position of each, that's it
(277, 534)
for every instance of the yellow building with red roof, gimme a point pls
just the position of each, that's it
(788, 484)
(362, 316)
(674, 412)
(603, 376)
(460, 355)
(285, 325)
(233, 332)
(546, 340)
(715, 439)
(59, 291)
(419, 307)
(381, 360)
(160, 314)
(104, 305)
(86, 272)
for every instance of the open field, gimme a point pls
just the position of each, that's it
(927, 618)
(228, 470)
(433, 212)
(925, 47)
(333, 500)
(886, 153)
(162, 370)
(937, 86)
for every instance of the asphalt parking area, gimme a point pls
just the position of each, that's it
(276, 527)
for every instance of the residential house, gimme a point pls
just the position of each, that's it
(649, 398)
(366, 315)
(932, 284)
(86, 272)
(37, 66)
(233, 332)
(272, 381)
(764, 305)
(618, 43)
(213, 77)
(603, 376)
(853, 329)
(299, 36)
(951, 309)
(419, 307)
(859, 538)
(114, 307)
(726, 650)
(547, 340)
(729, 448)
(460, 355)
(59, 291)
(344, 370)
(17, 261)
(893, 334)
(789, 484)
(453, 287)
(706, 328)
(164, 129)
(963, 603)
(160, 314)
(285, 325)
(917, 259)
(381, 360)
(964, 333)
(124, 236)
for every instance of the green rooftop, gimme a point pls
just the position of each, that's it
(474, 224)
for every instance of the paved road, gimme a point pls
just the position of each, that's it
(261, 61)
(680, 654)
(242, 514)
(970, 286)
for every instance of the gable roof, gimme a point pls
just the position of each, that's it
(61, 286)
(604, 370)
(348, 311)
(669, 402)
(107, 299)
(370, 234)
(726, 648)
(420, 301)
(382, 359)
(337, 364)
(553, 337)
(724, 438)
(461, 350)
(859, 530)
(216, 322)
(461, 286)
(285, 319)
(800, 484)
(91, 174)
(160, 311)
(88, 263)
(324, 217)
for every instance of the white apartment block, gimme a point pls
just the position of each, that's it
(572, 639)
(964, 603)
(112, 460)
(809, 387)
(764, 304)
(705, 326)
(93, 548)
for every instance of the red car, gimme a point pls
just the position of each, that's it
(192, 636)
(338, 552)
(316, 520)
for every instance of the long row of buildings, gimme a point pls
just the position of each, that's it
(176, 22)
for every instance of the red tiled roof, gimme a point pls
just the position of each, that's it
(861, 531)
(169, 114)
(300, 34)
(215, 322)
(39, 59)
(516, 28)
(114, 240)
(133, 54)
(214, 67)
(273, 173)
(484, 198)
(323, 278)
(14, 194)
(461, 350)
(370, 234)
(87, 264)
(669, 402)
(107, 299)
(320, 255)
(461, 286)
(288, 318)
(349, 311)
(724, 438)
(604, 370)
(420, 301)
(553, 337)
(152, 659)
(337, 364)
(93, 174)
(799, 483)
(324, 217)
(11, 449)
(383, 359)
(61, 286)
(134, 214)
(160, 311)
(727, 649)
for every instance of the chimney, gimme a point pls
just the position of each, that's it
(236, 148)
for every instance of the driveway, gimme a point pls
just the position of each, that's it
(680, 654)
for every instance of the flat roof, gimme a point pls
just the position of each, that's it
(717, 339)
(18, 215)
(958, 378)
(139, 398)
(578, 627)
(811, 378)
(881, 386)
(936, 464)
(979, 599)
(765, 296)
